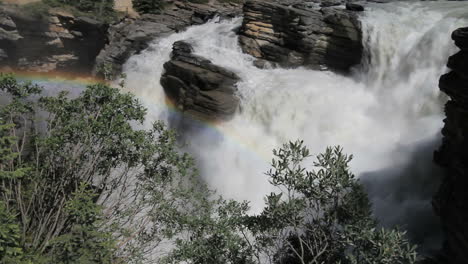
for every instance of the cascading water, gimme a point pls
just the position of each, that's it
(388, 114)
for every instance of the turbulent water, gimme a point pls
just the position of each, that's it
(388, 113)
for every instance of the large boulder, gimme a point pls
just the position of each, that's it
(198, 87)
(131, 36)
(301, 35)
(460, 36)
(354, 7)
(451, 201)
(57, 41)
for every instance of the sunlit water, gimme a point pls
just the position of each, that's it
(388, 113)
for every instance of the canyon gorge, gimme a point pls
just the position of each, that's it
(237, 80)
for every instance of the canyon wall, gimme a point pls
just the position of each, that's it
(327, 36)
(451, 201)
(56, 41)
(317, 36)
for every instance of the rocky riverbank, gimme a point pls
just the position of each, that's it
(130, 36)
(450, 203)
(286, 34)
(56, 40)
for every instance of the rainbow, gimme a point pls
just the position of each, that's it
(242, 141)
(221, 129)
(56, 77)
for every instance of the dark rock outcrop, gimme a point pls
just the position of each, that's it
(198, 87)
(354, 7)
(290, 36)
(328, 3)
(460, 36)
(130, 36)
(451, 201)
(57, 41)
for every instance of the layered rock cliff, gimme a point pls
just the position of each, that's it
(292, 35)
(451, 201)
(57, 41)
(288, 33)
(198, 87)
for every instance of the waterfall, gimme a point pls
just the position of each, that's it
(388, 114)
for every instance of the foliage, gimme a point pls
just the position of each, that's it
(36, 9)
(80, 183)
(89, 140)
(102, 10)
(108, 73)
(10, 250)
(148, 6)
(215, 236)
(372, 246)
(155, 6)
(310, 219)
(15, 116)
(100, 7)
(318, 216)
(85, 242)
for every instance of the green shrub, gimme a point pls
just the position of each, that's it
(318, 216)
(85, 242)
(88, 141)
(10, 250)
(100, 191)
(148, 6)
(96, 6)
(102, 10)
(36, 9)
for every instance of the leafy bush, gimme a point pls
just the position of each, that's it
(85, 242)
(87, 140)
(36, 9)
(100, 6)
(321, 216)
(102, 10)
(98, 190)
(147, 6)
(10, 250)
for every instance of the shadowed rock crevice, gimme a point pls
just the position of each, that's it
(451, 201)
(197, 87)
(57, 41)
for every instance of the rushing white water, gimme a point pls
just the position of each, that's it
(389, 114)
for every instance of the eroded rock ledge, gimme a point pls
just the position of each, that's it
(300, 35)
(198, 87)
(58, 41)
(451, 201)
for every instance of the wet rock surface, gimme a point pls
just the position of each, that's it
(451, 201)
(130, 36)
(460, 36)
(354, 7)
(197, 87)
